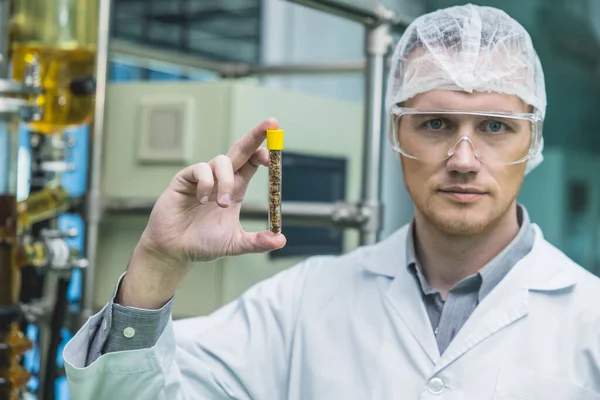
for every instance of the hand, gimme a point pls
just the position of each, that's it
(197, 218)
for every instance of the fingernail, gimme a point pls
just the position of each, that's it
(204, 199)
(226, 198)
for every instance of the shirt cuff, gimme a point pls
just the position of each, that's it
(128, 328)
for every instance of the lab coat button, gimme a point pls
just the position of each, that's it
(129, 332)
(435, 385)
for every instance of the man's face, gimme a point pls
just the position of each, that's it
(439, 189)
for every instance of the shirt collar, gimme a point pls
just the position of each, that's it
(493, 272)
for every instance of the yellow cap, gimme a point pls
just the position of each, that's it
(275, 139)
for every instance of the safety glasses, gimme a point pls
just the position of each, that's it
(495, 138)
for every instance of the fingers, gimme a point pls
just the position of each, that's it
(245, 156)
(200, 179)
(205, 181)
(261, 242)
(260, 157)
(196, 179)
(246, 146)
(223, 171)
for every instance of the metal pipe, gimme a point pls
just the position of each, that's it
(297, 213)
(343, 67)
(306, 213)
(57, 322)
(124, 49)
(291, 211)
(341, 9)
(376, 15)
(4, 37)
(127, 206)
(94, 210)
(377, 44)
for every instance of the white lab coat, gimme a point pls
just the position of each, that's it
(355, 327)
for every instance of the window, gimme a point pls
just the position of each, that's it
(219, 30)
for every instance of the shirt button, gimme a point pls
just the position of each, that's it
(435, 385)
(129, 332)
(104, 323)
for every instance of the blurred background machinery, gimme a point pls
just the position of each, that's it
(48, 98)
(102, 102)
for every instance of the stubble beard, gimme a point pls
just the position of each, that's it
(463, 219)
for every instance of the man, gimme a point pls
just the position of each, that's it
(468, 302)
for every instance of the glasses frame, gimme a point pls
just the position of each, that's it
(535, 118)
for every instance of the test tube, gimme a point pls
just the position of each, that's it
(275, 147)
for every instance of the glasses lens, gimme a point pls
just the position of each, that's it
(433, 137)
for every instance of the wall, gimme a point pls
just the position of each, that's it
(547, 182)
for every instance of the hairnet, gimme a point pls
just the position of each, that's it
(468, 48)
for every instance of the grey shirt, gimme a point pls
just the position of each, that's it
(447, 317)
(128, 328)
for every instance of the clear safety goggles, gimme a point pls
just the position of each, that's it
(495, 138)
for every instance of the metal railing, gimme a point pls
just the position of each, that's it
(145, 54)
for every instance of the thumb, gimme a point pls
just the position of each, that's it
(261, 242)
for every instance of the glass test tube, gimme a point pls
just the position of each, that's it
(275, 147)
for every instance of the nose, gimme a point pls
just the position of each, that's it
(464, 156)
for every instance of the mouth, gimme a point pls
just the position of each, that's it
(462, 194)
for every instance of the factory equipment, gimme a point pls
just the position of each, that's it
(43, 205)
(51, 46)
(62, 35)
(14, 108)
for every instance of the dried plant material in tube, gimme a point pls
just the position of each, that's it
(275, 191)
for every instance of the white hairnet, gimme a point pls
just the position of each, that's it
(468, 48)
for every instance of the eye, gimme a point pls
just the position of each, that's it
(435, 124)
(495, 127)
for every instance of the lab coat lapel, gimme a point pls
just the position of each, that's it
(508, 302)
(403, 295)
